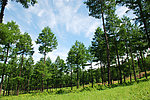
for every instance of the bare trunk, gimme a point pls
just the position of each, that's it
(4, 70)
(8, 86)
(47, 85)
(144, 21)
(4, 90)
(42, 84)
(133, 64)
(102, 73)
(117, 70)
(128, 61)
(43, 75)
(71, 78)
(4, 3)
(120, 74)
(124, 77)
(28, 85)
(83, 79)
(139, 67)
(1, 84)
(44, 58)
(143, 64)
(31, 85)
(92, 74)
(5, 86)
(20, 75)
(108, 52)
(77, 76)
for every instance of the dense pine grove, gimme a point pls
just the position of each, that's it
(120, 49)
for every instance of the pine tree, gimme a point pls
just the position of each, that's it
(98, 9)
(47, 41)
(24, 47)
(9, 35)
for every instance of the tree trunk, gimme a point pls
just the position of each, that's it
(124, 77)
(42, 84)
(83, 79)
(47, 85)
(120, 74)
(92, 73)
(77, 76)
(31, 85)
(102, 73)
(108, 52)
(1, 83)
(128, 61)
(111, 81)
(4, 90)
(28, 88)
(20, 75)
(24, 88)
(8, 86)
(3, 5)
(4, 70)
(117, 71)
(43, 75)
(143, 64)
(139, 67)
(144, 21)
(71, 78)
(44, 58)
(133, 64)
(5, 86)
(12, 89)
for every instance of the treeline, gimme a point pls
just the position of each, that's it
(120, 49)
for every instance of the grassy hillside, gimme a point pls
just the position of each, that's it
(136, 91)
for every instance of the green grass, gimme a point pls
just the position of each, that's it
(131, 91)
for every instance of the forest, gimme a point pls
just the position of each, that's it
(121, 49)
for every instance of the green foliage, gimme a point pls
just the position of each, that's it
(79, 51)
(24, 46)
(140, 9)
(9, 32)
(26, 3)
(96, 8)
(47, 41)
(120, 39)
(99, 45)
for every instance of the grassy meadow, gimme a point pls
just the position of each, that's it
(128, 91)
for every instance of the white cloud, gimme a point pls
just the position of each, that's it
(36, 54)
(10, 6)
(41, 13)
(92, 29)
(121, 10)
(59, 13)
(60, 51)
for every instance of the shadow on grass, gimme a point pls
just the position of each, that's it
(63, 91)
(89, 88)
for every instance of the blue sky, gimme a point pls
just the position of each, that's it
(68, 20)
